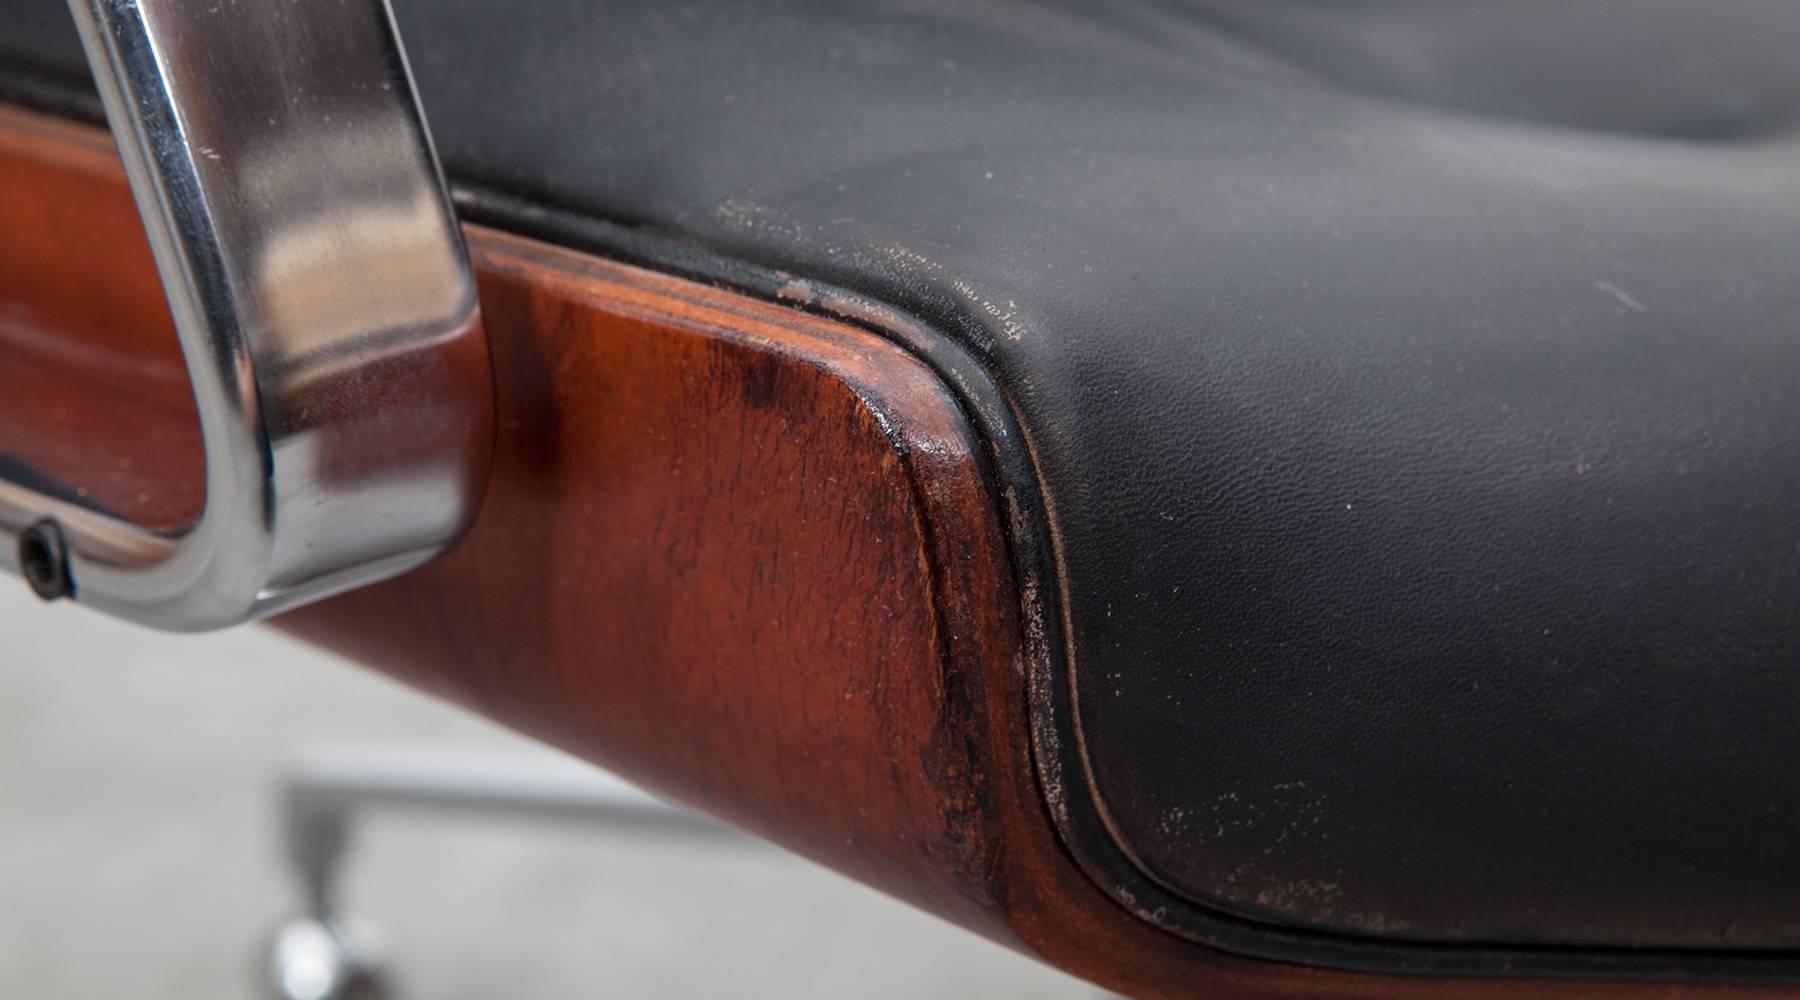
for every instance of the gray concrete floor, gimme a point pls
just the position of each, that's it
(138, 855)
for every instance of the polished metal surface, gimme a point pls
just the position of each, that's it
(323, 296)
(318, 955)
(324, 960)
(325, 789)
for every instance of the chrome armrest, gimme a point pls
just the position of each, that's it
(319, 284)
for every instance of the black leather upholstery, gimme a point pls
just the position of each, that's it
(1412, 391)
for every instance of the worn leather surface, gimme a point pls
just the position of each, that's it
(1413, 389)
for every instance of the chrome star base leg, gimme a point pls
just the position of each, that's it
(318, 959)
(320, 955)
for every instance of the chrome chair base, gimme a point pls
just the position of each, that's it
(319, 955)
(313, 959)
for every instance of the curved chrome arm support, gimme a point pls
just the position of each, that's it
(323, 297)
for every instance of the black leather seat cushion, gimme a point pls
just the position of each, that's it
(1413, 392)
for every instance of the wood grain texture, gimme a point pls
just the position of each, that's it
(83, 324)
(741, 554)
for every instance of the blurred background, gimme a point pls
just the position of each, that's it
(140, 852)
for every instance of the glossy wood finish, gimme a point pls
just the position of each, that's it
(741, 554)
(82, 325)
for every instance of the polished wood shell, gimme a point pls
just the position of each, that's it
(742, 554)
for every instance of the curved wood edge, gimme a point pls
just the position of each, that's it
(705, 561)
(741, 554)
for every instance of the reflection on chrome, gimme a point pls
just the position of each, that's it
(322, 293)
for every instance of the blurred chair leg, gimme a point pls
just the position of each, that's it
(318, 956)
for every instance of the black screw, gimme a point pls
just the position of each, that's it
(44, 559)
